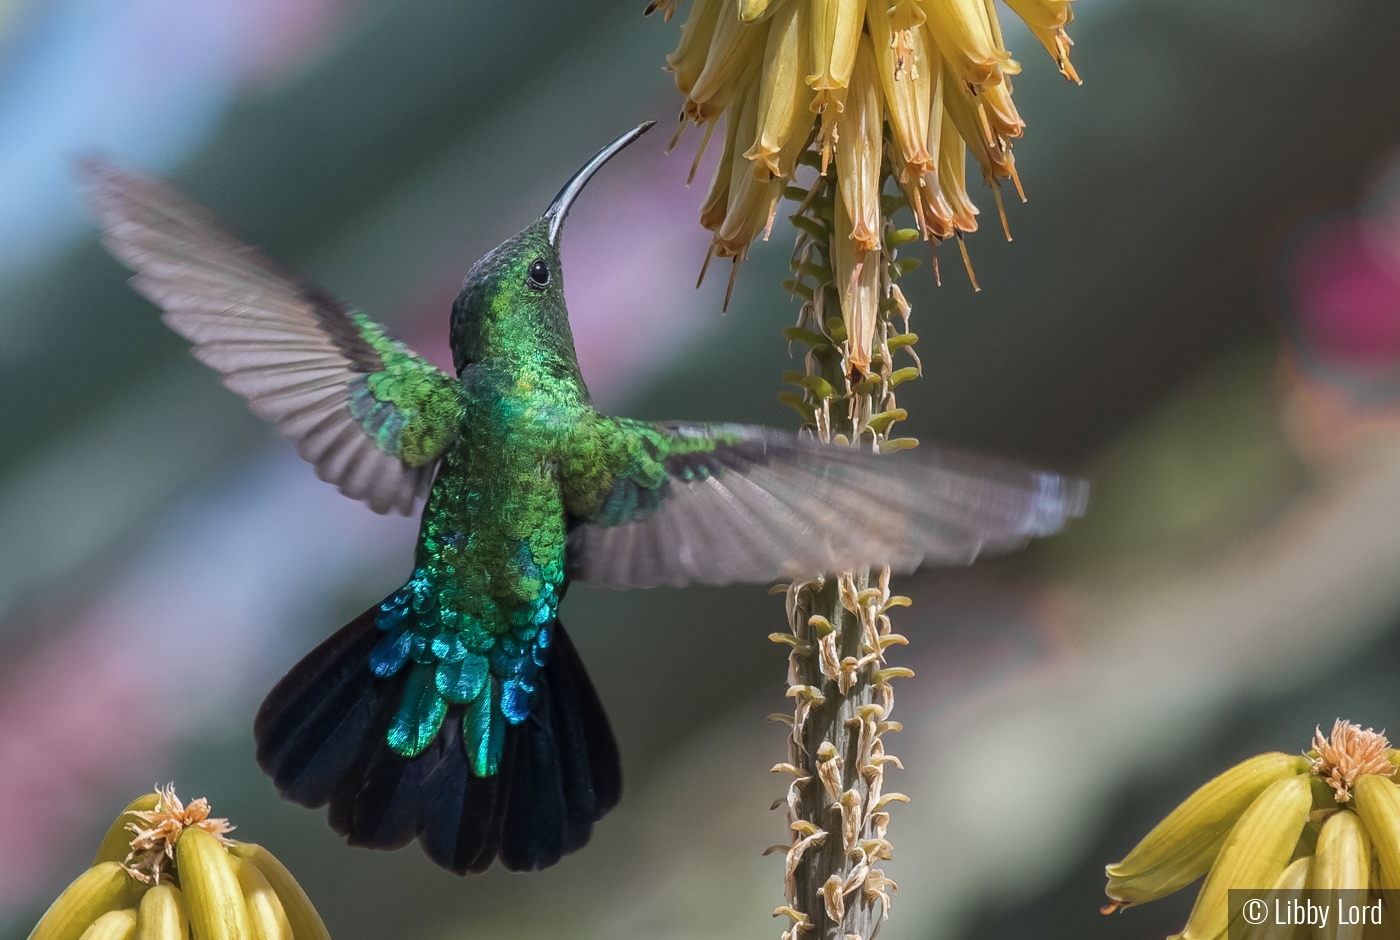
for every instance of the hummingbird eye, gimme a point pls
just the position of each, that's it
(539, 274)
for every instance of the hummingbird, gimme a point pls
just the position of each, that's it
(457, 710)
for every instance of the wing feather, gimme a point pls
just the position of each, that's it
(750, 504)
(292, 350)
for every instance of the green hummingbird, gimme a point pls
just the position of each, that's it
(457, 711)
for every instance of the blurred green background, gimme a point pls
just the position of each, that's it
(1200, 311)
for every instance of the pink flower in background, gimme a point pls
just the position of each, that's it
(1347, 299)
(1341, 359)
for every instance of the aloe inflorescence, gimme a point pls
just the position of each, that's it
(1326, 820)
(907, 87)
(168, 871)
(855, 110)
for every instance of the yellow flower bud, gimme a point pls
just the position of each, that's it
(180, 875)
(784, 95)
(103, 888)
(1181, 847)
(1342, 860)
(1294, 878)
(210, 883)
(114, 925)
(858, 151)
(117, 844)
(266, 917)
(163, 915)
(1254, 855)
(1378, 804)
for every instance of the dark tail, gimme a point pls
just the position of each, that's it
(321, 737)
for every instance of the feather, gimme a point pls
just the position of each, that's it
(321, 736)
(287, 346)
(740, 503)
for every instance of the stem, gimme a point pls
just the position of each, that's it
(840, 627)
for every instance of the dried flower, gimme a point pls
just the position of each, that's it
(166, 870)
(1350, 753)
(1274, 821)
(157, 831)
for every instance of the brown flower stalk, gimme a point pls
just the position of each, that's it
(853, 321)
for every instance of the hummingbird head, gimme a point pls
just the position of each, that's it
(512, 302)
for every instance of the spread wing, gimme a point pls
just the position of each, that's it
(369, 414)
(715, 504)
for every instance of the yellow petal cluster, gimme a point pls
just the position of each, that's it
(1329, 819)
(166, 871)
(834, 74)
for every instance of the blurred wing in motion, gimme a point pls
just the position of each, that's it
(368, 413)
(715, 504)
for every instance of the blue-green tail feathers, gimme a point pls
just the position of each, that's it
(323, 736)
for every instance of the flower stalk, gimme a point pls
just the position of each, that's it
(881, 99)
(852, 322)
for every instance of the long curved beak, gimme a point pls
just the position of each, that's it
(559, 208)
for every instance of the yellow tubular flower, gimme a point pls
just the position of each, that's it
(858, 151)
(858, 281)
(716, 204)
(964, 36)
(906, 17)
(905, 80)
(1255, 853)
(1182, 847)
(1047, 19)
(836, 26)
(935, 213)
(834, 35)
(784, 95)
(733, 58)
(688, 61)
(967, 116)
(1002, 116)
(952, 179)
(750, 199)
